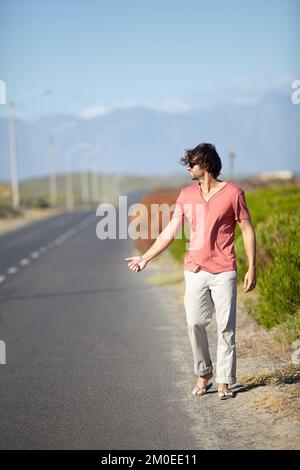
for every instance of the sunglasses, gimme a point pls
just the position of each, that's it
(192, 164)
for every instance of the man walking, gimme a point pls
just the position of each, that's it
(210, 268)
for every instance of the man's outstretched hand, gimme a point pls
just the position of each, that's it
(136, 263)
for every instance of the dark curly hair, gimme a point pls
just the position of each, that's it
(206, 156)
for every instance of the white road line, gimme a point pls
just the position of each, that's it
(87, 221)
(64, 236)
(72, 231)
(58, 241)
(24, 262)
(12, 270)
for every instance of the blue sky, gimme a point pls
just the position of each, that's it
(166, 54)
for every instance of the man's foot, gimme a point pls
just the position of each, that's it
(224, 392)
(202, 385)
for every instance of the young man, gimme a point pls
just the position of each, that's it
(210, 268)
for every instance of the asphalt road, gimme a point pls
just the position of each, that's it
(88, 346)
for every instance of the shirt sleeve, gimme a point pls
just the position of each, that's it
(241, 210)
(179, 208)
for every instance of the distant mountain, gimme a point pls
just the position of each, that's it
(140, 141)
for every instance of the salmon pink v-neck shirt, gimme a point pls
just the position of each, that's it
(211, 225)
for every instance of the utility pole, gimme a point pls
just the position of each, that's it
(13, 144)
(51, 154)
(85, 185)
(94, 175)
(95, 185)
(68, 174)
(52, 175)
(13, 156)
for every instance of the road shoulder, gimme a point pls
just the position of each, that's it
(10, 224)
(265, 413)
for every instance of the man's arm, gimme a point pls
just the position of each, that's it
(248, 234)
(164, 239)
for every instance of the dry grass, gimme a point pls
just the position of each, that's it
(255, 348)
(29, 215)
(288, 373)
(283, 394)
(5, 191)
(166, 278)
(252, 339)
(287, 403)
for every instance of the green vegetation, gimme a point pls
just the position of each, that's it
(275, 302)
(6, 209)
(276, 217)
(178, 248)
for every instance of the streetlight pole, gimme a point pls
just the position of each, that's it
(95, 185)
(68, 175)
(94, 176)
(13, 144)
(88, 182)
(84, 182)
(94, 181)
(13, 155)
(117, 185)
(51, 154)
(52, 175)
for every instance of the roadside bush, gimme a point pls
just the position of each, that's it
(6, 210)
(278, 300)
(40, 202)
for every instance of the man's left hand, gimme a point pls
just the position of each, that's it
(250, 280)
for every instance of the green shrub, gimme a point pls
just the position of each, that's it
(178, 249)
(6, 210)
(36, 202)
(279, 271)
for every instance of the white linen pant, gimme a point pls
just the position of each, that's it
(204, 293)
